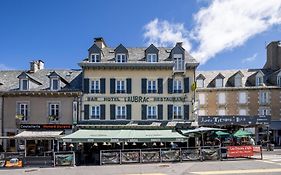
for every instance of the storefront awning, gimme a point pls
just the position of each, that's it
(39, 135)
(275, 125)
(84, 135)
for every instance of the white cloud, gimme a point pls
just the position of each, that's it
(222, 25)
(164, 33)
(250, 59)
(4, 67)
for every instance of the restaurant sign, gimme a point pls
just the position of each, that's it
(45, 126)
(137, 99)
(240, 151)
(233, 120)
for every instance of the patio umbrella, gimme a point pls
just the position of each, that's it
(221, 133)
(242, 133)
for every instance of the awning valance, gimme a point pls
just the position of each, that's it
(84, 135)
(39, 135)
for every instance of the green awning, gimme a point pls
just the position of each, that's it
(242, 133)
(85, 135)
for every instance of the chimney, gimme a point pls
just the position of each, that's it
(36, 65)
(100, 42)
(273, 54)
(179, 43)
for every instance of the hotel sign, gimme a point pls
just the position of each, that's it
(233, 120)
(137, 99)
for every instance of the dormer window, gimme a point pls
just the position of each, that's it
(55, 84)
(121, 58)
(179, 62)
(152, 58)
(24, 85)
(219, 82)
(259, 81)
(237, 81)
(95, 58)
(200, 83)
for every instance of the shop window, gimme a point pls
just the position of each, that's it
(120, 112)
(151, 86)
(120, 86)
(54, 111)
(95, 112)
(221, 98)
(151, 112)
(178, 112)
(22, 111)
(201, 98)
(242, 97)
(177, 86)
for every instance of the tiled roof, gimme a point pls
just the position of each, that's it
(247, 78)
(10, 81)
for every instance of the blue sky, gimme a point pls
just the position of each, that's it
(215, 32)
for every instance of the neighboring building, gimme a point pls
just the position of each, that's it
(246, 96)
(131, 85)
(40, 100)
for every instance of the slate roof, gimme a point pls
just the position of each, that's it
(248, 78)
(137, 54)
(10, 82)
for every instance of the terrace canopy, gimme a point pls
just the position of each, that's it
(124, 135)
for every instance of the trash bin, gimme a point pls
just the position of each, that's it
(270, 147)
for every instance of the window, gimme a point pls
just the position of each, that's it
(201, 112)
(22, 111)
(242, 112)
(151, 86)
(179, 62)
(219, 82)
(55, 84)
(151, 112)
(264, 111)
(24, 84)
(221, 98)
(200, 83)
(95, 58)
(221, 112)
(279, 80)
(201, 97)
(178, 112)
(259, 81)
(177, 86)
(53, 111)
(120, 112)
(95, 86)
(264, 97)
(120, 86)
(95, 112)
(238, 81)
(121, 58)
(152, 58)
(242, 97)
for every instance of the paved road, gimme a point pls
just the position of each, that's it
(270, 165)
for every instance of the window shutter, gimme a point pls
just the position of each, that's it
(129, 112)
(143, 112)
(160, 112)
(129, 85)
(143, 85)
(86, 112)
(112, 85)
(170, 85)
(186, 112)
(18, 108)
(102, 85)
(86, 85)
(170, 112)
(160, 85)
(112, 112)
(186, 85)
(102, 112)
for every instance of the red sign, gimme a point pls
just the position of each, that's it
(240, 151)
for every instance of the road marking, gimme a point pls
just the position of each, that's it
(147, 174)
(238, 171)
